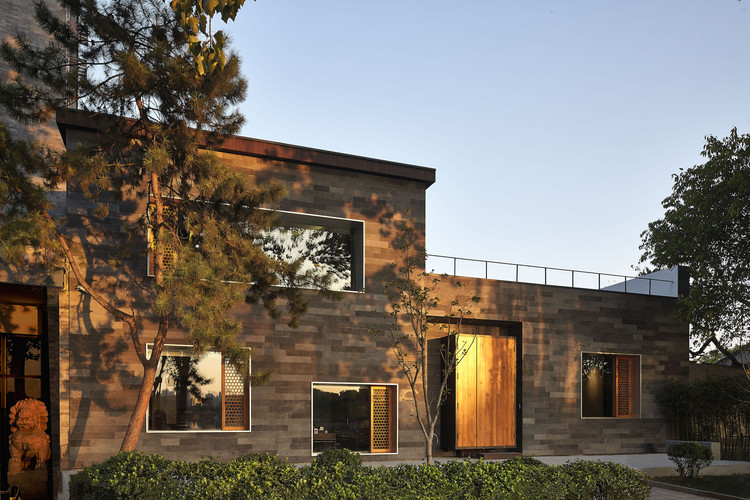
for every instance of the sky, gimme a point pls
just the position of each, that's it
(554, 126)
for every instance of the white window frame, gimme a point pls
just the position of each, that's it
(639, 386)
(300, 219)
(379, 384)
(149, 346)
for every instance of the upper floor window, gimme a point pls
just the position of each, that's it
(192, 393)
(327, 246)
(610, 385)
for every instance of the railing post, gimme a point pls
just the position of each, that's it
(649, 286)
(516, 273)
(486, 271)
(599, 275)
(454, 266)
(573, 279)
(545, 275)
(626, 283)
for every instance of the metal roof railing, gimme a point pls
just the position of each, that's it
(542, 275)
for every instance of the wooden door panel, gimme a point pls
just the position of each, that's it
(466, 394)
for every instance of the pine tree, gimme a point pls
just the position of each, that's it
(163, 89)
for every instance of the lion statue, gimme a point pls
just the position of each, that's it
(29, 444)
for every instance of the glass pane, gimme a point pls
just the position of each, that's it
(187, 392)
(323, 251)
(597, 387)
(23, 356)
(341, 417)
(17, 389)
(20, 319)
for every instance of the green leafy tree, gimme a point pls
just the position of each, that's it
(135, 67)
(415, 303)
(706, 226)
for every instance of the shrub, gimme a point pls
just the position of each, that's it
(339, 475)
(329, 458)
(604, 480)
(125, 475)
(690, 458)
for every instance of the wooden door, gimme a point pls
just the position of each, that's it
(486, 394)
(466, 395)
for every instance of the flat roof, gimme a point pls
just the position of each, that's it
(247, 146)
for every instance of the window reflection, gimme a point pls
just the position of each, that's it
(324, 251)
(341, 417)
(23, 356)
(19, 319)
(187, 392)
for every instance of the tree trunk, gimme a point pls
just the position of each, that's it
(138, 418)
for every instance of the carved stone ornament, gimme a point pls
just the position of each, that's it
(29, 444)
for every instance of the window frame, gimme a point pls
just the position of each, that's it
(356, 227)
(393, 392)
(636, 386)
(202, 431)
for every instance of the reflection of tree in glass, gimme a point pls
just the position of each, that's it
(19, 350)
(183, 371)
(319, 253)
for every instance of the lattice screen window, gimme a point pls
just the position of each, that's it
(192, 393)
(358, 417)
(610, 385)
(170, 254)
(381, 429)
(234, 398)
(622, 382)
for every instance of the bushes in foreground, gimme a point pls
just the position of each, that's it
(339, 475)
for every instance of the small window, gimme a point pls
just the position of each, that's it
(358, 417)
(198, 394)
(610, 385)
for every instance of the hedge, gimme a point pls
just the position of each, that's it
(339, 475)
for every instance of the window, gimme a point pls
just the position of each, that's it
(359, 417)
(328, 245)
(610, 385)
(197, 394)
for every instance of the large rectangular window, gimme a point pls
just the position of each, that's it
(358, 417)
(198, 394)
(327, 245)
(610, 385)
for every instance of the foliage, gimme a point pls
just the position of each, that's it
(158, 117)
(415, 302)
(690, 458)
(329, 459)
(706, 226)
(710, 409)
(340, 476)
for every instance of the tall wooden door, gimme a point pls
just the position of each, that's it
(486, 394)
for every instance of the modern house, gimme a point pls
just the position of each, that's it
(556, 369)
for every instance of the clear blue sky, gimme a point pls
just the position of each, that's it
(554, 126)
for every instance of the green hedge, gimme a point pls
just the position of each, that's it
(339, 475)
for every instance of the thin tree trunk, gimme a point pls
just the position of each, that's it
(138, 418)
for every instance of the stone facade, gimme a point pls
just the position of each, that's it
(94, 374)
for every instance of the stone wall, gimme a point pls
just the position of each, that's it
(332, 343)
(560, 323)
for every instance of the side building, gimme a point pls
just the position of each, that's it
(554, 370)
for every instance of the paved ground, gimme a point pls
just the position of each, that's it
(665, 494)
